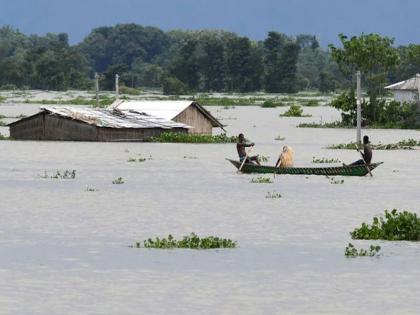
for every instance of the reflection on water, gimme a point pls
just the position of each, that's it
(70, 245)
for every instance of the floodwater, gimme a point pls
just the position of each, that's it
(65, 250)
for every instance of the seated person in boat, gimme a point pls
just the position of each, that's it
(240, 147)
(366, 154)
(286, 157)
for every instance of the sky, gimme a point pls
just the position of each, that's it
(252, 18)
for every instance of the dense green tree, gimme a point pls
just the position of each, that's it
(244, 65)
(281, 55)
(374, 56)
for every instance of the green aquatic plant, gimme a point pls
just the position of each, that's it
(273, 195)
(90, 189)
(263, 158)
(294, 111)
(272, 103)
(118, 181)
(352, 252)
(335, 124)
(67, 174)
(408, 144)
(193, 138)
(336, 181)
(279, 138)
(394, 226)
(325, 160)
(191, 241)
(261, 180)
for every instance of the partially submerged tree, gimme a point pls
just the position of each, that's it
(374, 56)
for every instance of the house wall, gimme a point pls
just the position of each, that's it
(405, 96)
(194, 118)
(51, 127)
(31, 128)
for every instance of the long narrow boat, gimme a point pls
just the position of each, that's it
(345, 170)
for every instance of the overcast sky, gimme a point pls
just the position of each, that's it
(252, 18)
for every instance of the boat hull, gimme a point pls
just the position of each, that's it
(354, 170)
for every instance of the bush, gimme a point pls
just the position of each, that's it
(128, 90)
(294, 111)
(377, 113)
(271, 104)
(2, 99)
(191, 241)
(173, 86)
(395, 226)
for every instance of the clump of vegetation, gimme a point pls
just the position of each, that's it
(271, 104)
(190, 157)
(335, 124)
(67, 174)
(336, 181)
(400, 145)
(191, 241)
(193, 138)
(310, 102)
(294, 111)
(90, 189)
(128, 90)
(273, 195)
(2, 123)
(118, 181)
(3, 137)
(279, 138)
(225, 101)
(263, 158)
(352, 252)
(2, 99)
(325, 160)
(395, 226)
(133, 159)
(261, 180)
(103, 101)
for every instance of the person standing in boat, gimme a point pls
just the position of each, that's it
(240, 147)
(366, 154)
(286, 157)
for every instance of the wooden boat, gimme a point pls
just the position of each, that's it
(345, 170)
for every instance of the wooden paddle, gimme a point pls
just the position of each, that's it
(246, 156)
(363, 158)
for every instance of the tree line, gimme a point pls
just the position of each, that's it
(181, 61)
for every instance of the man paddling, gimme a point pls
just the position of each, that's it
(240, 147)
(366, 154)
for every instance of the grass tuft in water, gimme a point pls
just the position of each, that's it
(261, 180)
(118, 181)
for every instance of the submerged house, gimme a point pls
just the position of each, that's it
(88, 124)
(406, 91)
(190, 113)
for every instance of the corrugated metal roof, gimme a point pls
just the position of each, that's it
(113, 118)
(165, 109)
(407, 85)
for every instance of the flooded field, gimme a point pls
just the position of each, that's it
(65, 250)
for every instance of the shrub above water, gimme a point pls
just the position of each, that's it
(395, 226)
(191, 241)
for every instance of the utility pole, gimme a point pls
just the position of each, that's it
(116, 86)
(418, 86)
(97, 88)
(359, 109)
